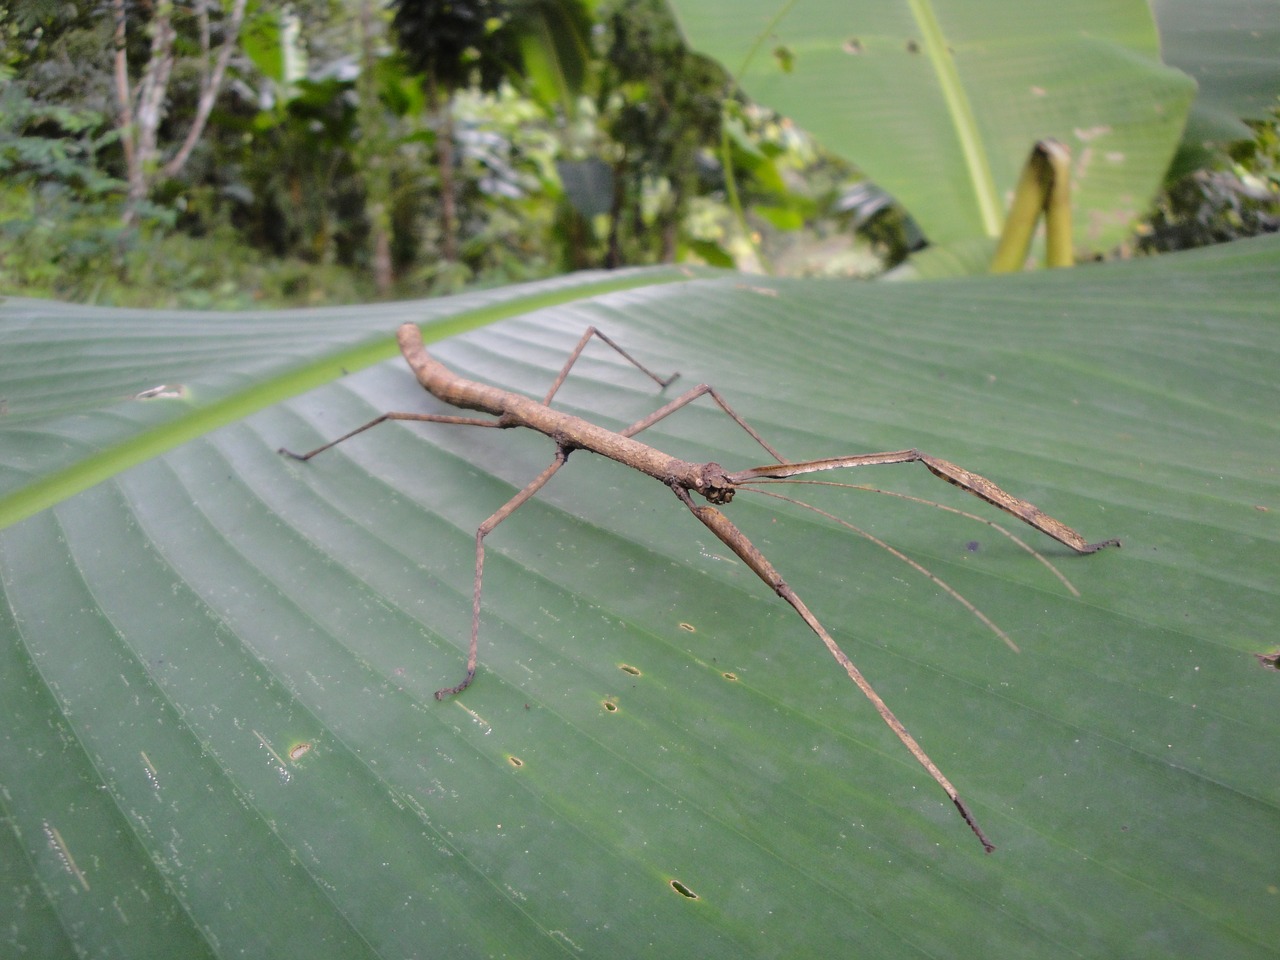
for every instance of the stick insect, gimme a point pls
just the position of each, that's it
(708, 481)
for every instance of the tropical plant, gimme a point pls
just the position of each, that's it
(451, 45)
(57, 206)
(940, 103)
(1231, 196)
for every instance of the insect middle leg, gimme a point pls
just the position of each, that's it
(483, 531)
(684, 399)
(562, 455)
(582, 345)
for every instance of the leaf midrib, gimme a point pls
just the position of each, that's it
(51, 489)
(960, 110)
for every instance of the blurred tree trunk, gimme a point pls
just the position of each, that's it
(613, 257)
(453, 45)
(372, 151)
(141, 110)
(440, 110)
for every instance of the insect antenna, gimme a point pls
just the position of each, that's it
(918, 567)
(1005, 531)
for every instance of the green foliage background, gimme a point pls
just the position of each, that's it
(318, 168)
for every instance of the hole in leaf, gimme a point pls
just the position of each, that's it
(627, 668)
(1271, 660)
(610, 706)
(684, 891)
(688, 627)
(515, 761)
(299, 751)
(729, 676)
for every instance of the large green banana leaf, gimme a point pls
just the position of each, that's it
(1232, 49)
(941, 101)
(218, 736)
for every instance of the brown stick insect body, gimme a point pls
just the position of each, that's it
(709, 481)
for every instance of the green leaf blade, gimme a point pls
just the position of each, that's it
(219, 608)
(103, 414)
(940, 103)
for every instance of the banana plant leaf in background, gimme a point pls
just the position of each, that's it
(217, 665)
(940, 102)
(1230, 48)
